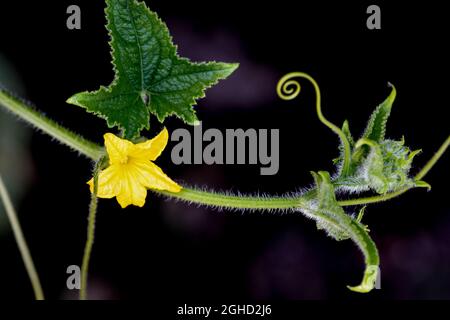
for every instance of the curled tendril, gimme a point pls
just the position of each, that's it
(288, 89)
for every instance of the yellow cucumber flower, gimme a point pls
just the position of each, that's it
(131, 170)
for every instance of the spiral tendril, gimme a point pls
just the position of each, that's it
(288, 89)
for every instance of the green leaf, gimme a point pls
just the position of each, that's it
(150, 77)
(376, 127)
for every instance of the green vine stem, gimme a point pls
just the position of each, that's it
(21, 242)
(430, 164)
(26, 112)
(90, 234)
(287, 89)
(231, 201)
(372, 199)
(95, 152)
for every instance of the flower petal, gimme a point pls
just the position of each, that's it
(150, 149)
(117, 148)
(131, 191)
(108, 182)
(151, 176)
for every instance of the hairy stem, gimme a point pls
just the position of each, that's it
(221, 200)
(21, 242)
(289, 89)
(27, 113)
(90, 235)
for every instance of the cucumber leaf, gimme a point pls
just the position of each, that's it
(150, 77)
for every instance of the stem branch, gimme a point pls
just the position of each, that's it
(430, 164)
(21, 242)
(27, 113)
(90, 235)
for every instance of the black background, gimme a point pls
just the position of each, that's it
(177, 252)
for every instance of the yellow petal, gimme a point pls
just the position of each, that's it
(131, 191)
(150, 149)
(108, 182)
(151, 176)
(117, 148)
